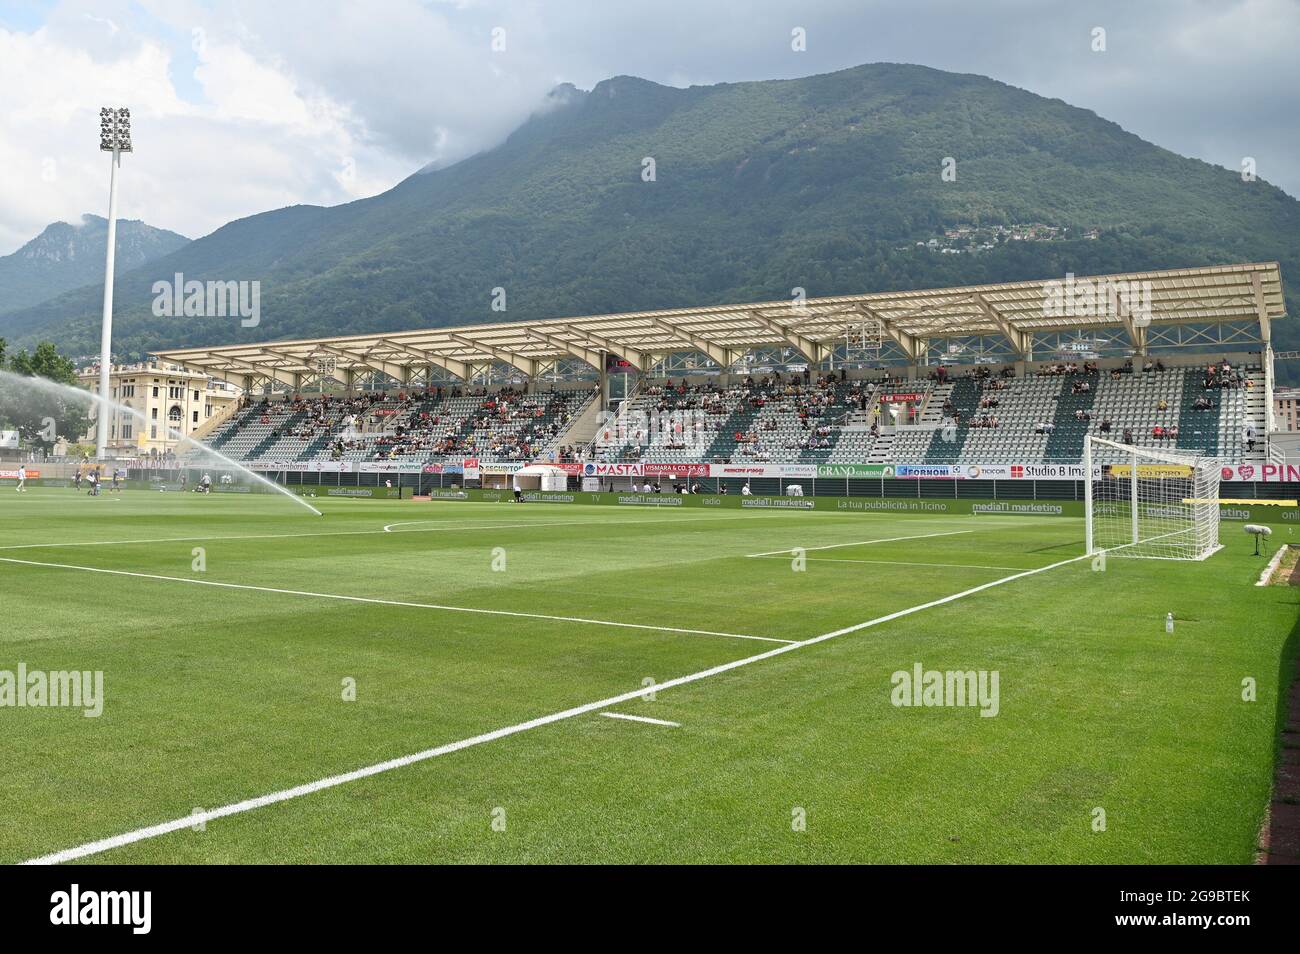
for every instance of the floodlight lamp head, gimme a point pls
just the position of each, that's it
(115, 129)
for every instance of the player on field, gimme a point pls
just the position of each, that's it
(22, 479)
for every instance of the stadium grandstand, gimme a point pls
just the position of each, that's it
(988, 380)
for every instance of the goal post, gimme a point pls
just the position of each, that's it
(1149, 502)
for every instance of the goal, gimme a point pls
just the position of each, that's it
(1150, 503)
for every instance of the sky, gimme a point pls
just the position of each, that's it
(241, 106)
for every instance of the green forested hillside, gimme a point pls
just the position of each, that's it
(67, 256)
(823, 182)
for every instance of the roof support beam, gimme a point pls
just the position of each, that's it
(592, 358)
(397, 372)
(266, 371)
(459, 369)
(590, 338)
(718, 355)
(520, 362)
(1019, 340)
(340, 376)
(912, 346)
(1137, 334)
(810, 349)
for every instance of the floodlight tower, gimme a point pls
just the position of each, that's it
(114, 137)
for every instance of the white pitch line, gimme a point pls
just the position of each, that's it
(371, 599)
(388, 527)
(309, 788)
(242, 536)
(860, 543)
(354, 533)
(955, 566)
(636, 718)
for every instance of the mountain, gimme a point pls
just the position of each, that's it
(825, 182)
(65, 256)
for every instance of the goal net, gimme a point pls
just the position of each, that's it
(1150, 503)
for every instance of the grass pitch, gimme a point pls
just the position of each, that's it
(215, 695)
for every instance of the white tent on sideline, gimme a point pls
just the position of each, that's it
(540, 477)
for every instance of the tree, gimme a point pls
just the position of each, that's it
(43, 413)
(46, 362)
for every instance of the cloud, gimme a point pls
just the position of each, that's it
(243, 106)
(254, 137)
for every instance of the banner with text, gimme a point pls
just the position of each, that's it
(1263, 473)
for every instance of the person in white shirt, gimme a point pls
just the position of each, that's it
(745, 491)
(205, 484)
(22, 479)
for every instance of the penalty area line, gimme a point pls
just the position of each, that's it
(859, 543)
(333, 781)
(952, 566)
